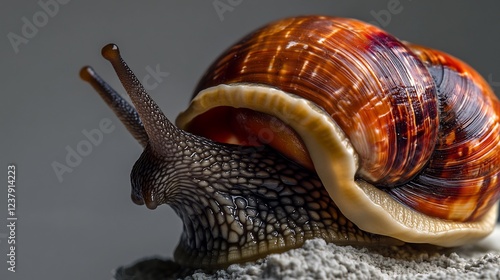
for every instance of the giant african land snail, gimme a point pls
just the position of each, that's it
(319, 127)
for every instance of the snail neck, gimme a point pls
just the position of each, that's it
(240, 203)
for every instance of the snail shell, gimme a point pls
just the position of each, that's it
(319, 127)
(404, 138)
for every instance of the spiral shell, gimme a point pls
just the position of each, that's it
(404, 138)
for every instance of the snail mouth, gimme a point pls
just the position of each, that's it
(150, 204)
(137, 199)
(147, 198)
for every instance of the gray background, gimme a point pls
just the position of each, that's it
(86, 225)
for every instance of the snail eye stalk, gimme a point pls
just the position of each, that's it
(146, 122)
(123, 110)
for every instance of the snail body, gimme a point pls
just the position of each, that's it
(319, 127)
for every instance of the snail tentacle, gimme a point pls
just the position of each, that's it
(156, 124)
(123, 110)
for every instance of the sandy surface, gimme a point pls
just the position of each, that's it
(318, 260)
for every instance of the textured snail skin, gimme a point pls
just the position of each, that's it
(372, 141)
(240, 203)
(125, 112)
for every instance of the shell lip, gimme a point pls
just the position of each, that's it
(369, 208)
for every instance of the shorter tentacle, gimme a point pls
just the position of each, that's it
(123, 110)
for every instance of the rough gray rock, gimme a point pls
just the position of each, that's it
(318, 260)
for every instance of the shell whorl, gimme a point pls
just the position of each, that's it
(360, 75)
(387, 96)
(461, 181)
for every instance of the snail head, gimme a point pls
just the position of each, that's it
(237, 203)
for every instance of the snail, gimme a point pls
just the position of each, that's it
(317, 127)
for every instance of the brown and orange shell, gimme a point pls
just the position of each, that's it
(404, 138)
